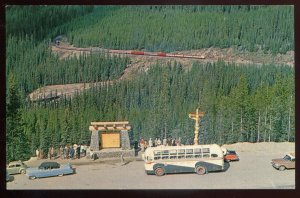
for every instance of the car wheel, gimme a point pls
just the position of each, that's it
(23, 171)
(227, 160)
(32, 177)
(200, 170)
(281, 168)
(159, 171)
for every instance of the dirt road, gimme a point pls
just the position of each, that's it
(253, 171)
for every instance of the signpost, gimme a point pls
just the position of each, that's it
(196, 116)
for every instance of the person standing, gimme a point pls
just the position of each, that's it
(67, 152)
(61, 152)
(84, 148)
(169, 142)
(150, 142)
(78, 151)
(75, 149)
(174, 142)
(72, 151)
(37, 153)
(146, 144)
(49, 153)
(158, 142)
(165, 142)
(136, 146)
(52, 152)
(142, 145)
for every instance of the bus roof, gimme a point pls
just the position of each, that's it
(162, 147)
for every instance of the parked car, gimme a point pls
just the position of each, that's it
(49, 169)
(231, 155)
(16, 168)
(8, 177)
(287, 162)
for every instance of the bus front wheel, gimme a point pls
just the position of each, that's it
(159, 171)
(200, 170)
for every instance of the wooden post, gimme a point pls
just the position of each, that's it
(196, 128)
(196, 116)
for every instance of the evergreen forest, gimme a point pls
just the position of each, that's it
(241, 103)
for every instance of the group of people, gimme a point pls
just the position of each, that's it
(157, 142)
(66, 152)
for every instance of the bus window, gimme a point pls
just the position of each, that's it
(180, 153)
(189, 153)
(205, 152)
(157, 155)
(197, 152)
(165, 154)
(173, 154)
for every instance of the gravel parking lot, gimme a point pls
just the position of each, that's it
(253, 171)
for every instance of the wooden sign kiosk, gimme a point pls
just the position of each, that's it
(196, 116)
(110, 134)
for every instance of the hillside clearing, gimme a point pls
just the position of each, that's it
(141, 63)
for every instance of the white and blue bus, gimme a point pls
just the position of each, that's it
(200, 159)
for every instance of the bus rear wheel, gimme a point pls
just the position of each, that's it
(159, 171)
(200, 170)
(281, 168)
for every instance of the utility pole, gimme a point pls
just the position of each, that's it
(196, 116)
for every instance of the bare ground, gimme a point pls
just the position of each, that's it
(253, 171)
(142, 64)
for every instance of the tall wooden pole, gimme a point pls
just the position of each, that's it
(196, 116)
(196, 128)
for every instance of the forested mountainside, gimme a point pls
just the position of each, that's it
(241, 103)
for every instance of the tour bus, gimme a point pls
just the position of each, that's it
(200, 159)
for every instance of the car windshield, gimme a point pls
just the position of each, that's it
(287, 158)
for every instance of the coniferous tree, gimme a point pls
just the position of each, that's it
(17, 144)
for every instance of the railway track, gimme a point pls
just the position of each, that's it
(131, 52)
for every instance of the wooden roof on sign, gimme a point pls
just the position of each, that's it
(109, 123)
(110, 126)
